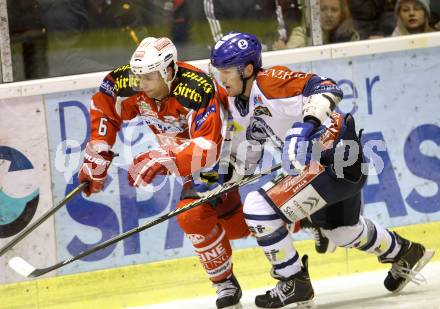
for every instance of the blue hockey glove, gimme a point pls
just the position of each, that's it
(298, 144)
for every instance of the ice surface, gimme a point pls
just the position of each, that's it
(358, 291)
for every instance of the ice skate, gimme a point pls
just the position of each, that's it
(322, 243)
(406, 266)
(293, 292)
(228, 293)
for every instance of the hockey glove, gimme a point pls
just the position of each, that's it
(148, 164)
(97, 159)
(297, 149)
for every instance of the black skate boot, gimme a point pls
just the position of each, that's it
(228, 293)
(295, 290)
(411, 258)
(322, 243)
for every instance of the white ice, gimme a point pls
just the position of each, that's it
(359, 291)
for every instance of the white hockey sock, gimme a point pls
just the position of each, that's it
(279, 250)
(367, 236)
(272, 235)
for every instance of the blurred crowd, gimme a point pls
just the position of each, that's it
(62, 37)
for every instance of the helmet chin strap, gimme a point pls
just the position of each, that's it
(241, 100)
(244, 80)
(168, 83)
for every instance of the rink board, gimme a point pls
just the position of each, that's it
(377, 88)
(47, 120)
(140, 285)
(25, 187)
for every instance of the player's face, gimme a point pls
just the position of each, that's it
(231, 80)
(153, 85)
(412, 15)
(331, 14)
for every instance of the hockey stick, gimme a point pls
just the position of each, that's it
(43, 218)
(25, 269)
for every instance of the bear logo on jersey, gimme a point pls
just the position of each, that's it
(262, 110)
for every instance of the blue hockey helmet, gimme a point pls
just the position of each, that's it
(236, 49)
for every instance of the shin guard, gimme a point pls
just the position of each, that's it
(215, 254)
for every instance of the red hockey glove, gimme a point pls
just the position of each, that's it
(148, 164)
(97, 159)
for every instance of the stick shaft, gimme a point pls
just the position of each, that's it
(173, 213)
(43, 218)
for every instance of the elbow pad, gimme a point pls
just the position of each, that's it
(319, 106)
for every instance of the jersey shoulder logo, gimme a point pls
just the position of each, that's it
(119, 83)
(194, 89)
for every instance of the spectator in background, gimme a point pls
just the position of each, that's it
(373, 19)
(289, 14)
(412, 17)
(253, 16)
(91, 35)
(186, 24)
(28, 39)
(181, 25)
(336, 27)
(435, 15)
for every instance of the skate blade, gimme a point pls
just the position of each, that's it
(429, 253)
(236, 306)
(308, 304)
(331, 247)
